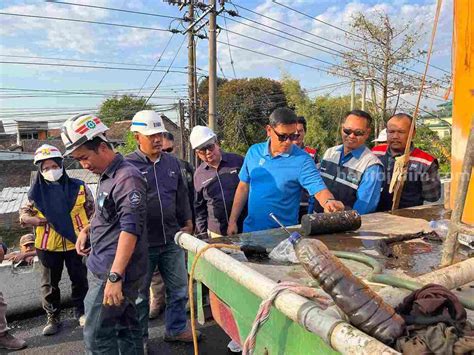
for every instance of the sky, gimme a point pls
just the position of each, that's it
(31, 90)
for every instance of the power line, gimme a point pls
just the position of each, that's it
(347, 32)
(228, 46)
(90, 67)
(319, 37)
(86, 21)
(114, 9)
(77, 60)
(156, 63)
(167, 71)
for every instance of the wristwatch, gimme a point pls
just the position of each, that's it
(114, 277)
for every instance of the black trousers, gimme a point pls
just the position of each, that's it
(52, 264)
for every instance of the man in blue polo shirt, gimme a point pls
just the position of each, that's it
(273, 174)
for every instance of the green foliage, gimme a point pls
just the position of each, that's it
(427, 140)
(129, 145)
(243, 107)
(323, 114)
(121, 108)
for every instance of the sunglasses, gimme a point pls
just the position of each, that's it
(209, 147)
(285, 137)
(168, 150)
(357, 132)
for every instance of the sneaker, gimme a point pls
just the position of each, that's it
(184, 337)
(52, 327)
(156, 311)
(8, 341)
(234, 347)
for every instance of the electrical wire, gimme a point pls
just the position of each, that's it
(228, 46)
(85, 21)
(92, 67)
(166, 73)
(349, 33)
(114, 9)
(156, 63)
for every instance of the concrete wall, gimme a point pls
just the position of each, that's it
(21, 288)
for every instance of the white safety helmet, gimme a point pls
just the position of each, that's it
(382, 136)
(80, 129)
(147, 122)
(46, 152)
(201, 135)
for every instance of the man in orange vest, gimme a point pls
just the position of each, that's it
(58, 208)
(422, 181)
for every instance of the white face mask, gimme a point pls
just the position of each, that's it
(52, 174)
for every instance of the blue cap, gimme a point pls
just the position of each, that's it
(294, 237)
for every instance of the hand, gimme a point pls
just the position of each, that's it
(113, 295)
(333, 206)
(232, 228)
(16, 257)
(35, 221)
(81, 242)
(188, 228)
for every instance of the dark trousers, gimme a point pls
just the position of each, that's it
(111, 330)
(52, 264)
(169, 259)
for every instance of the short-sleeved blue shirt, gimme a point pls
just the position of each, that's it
(275, 185)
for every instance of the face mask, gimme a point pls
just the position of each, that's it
(52, 174)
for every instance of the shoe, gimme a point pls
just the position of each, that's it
(234, 347)
(156, 311)
(82, 321)
(8, 341)
(184, 337)
(52, 327)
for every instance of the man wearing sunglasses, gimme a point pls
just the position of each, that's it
(215, 181)
(273, 175)
(351, 171)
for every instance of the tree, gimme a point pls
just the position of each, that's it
(427, 140)
(383, 52)
(121, 108)
(243, 107)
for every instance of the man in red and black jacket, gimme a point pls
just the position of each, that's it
(423, 183)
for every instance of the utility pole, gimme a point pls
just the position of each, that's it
(191, 76)
(212, 66)
(182, 127)
(353, 94)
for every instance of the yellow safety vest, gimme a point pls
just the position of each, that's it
(48, 239)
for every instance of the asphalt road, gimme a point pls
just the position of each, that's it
(69, 340)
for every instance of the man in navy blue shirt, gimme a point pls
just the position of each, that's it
(118, 243)
(273, 175)
(168, 212)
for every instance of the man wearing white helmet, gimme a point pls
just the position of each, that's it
(382, 138)
(168, 211)
(117, 254)
(58, 208)
(215, 182)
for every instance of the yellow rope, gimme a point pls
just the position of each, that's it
(397, 180)
(191, 288)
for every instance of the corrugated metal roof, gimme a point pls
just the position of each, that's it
(12, 198)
